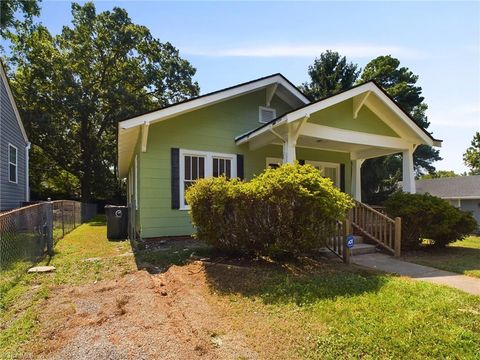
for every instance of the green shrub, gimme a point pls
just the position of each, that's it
(428, 217)
(282, 211)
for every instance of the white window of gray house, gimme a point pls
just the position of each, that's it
(266, 114)
(201, 164)
(12, 163)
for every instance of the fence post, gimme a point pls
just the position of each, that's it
(49, 207)
(398, 236)
(345, 249)
(63, 218)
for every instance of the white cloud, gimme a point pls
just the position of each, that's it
(308, 50)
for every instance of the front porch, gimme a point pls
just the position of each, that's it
(361, 123)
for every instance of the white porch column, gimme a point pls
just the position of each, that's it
(357, 179)
(408, 181)
(289, 153)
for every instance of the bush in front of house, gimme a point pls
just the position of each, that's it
(283, 211)
(425, 216)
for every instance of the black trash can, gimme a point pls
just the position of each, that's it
(117, 222)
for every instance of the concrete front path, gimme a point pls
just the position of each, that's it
(389, 264)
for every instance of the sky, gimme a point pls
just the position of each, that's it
(233, 42)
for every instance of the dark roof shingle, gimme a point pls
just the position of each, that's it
(453, 187)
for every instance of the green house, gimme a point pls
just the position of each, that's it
(239, 131)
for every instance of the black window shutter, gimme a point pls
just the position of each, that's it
(342, 177)
(240, 173)
(175, 157)
(301, 162)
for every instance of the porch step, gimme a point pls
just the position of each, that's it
(361, 249)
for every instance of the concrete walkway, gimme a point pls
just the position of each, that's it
(389, 264)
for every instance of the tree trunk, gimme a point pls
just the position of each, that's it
(85, 178)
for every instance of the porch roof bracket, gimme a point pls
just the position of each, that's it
(269, 93)
(145, 127)
(358, 102)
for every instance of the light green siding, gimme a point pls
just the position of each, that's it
(340, 116)
(211, 129)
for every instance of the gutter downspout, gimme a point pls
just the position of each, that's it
(27, 171)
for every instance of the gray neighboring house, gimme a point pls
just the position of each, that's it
(461, 191)
(14, 148)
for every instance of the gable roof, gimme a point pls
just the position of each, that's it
(214, 97)
(3, 76)
(330, 100)
(459, 187)
(129, 129)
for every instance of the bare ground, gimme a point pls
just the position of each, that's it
(139, 316)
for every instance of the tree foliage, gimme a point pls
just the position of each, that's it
(8, 8)
(471, 158)
(329, 74)
(439, 174)
(73, 89)
(401, 84)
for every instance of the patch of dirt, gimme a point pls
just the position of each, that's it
(139, 316)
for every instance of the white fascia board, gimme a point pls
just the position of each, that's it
(182, 108)
(12, 101)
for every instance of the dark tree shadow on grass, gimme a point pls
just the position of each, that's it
(301, 282)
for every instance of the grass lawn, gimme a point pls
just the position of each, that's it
(462, 257)
(21, 296)
(305, 309)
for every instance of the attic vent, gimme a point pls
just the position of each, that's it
(266, 114)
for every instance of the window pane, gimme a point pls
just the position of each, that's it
(13, 173)
(215, 167)
(188, 168)
(228, 168)
(201, 168)
(222, 166)
(13, 155)
(194, 167)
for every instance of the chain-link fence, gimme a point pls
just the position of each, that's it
(30, 232)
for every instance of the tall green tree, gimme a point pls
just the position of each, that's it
(439, 174)
(73, 89)
(471, 158)
(401, 84)
(329, 74)
(8, 8)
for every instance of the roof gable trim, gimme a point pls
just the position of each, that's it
(212, 98)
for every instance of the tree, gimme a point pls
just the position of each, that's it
(73, 89)
(471, 158)
(400, 84)
(29, 8)
(329, 74)
(439, 174)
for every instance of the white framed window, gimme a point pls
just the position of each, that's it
(266, 114)
(12, 164)
(330, 170)
(201, 164)
(274, 162)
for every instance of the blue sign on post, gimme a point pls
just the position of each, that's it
(350, 241)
